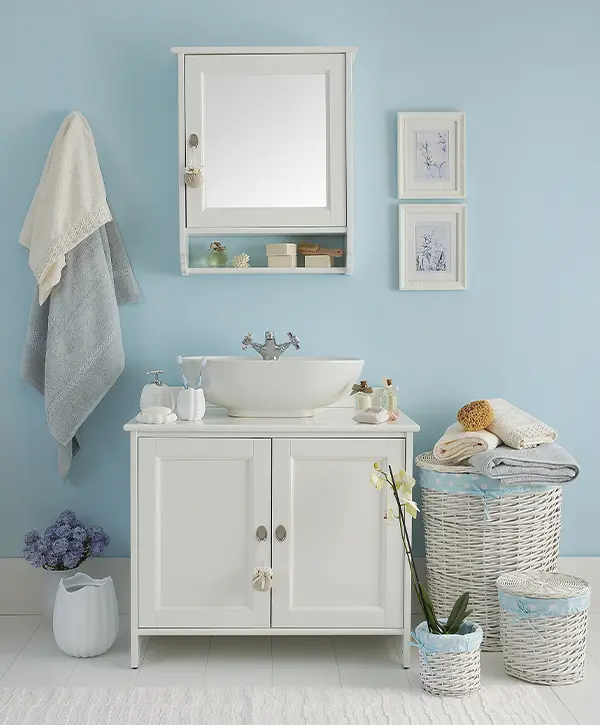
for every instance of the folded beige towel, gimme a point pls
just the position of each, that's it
(457, 444)
(518, 429)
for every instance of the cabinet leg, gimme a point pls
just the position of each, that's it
(406, 647)
(135, 650)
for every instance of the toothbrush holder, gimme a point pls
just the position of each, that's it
(191, 404)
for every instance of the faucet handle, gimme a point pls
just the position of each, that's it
(246, 341)
(294, 340)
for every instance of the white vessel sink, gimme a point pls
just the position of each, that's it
(291, 387)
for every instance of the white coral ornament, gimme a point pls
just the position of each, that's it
(241, 260)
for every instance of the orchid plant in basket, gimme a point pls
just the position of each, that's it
(402, 485)
(64, 545)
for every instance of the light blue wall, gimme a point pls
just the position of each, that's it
(526, 329)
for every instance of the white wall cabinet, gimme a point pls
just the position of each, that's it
(199, 493)
(271, 130)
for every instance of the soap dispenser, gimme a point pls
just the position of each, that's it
(156, 392)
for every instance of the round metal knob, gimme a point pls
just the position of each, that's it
(280, 533)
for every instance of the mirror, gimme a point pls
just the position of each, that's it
(265, 140)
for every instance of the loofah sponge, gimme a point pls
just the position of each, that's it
(476, 415)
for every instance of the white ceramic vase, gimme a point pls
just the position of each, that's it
(86, 618)
(50, 587)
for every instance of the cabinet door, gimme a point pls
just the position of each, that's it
(272, 139)
(341, 564)
(200, 502)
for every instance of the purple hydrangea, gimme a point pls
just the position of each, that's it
(65, 544)
(79, 533)
(31, 537)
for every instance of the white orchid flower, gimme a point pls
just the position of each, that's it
(378, 480)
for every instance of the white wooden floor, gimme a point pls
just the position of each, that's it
(29, 657)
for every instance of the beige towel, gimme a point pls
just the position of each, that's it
(457, 444)
(69, 203)
(518, 429)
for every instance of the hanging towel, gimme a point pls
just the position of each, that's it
(518, 429)
(545, 464)
(69, 203)
(457, 444)
(73, 351)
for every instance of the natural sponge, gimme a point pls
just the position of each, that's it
(476, 415)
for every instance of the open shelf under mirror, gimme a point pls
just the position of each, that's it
(254, 244)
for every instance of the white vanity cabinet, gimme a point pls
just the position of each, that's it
(203, 494)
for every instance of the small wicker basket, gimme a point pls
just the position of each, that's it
(543, 626)
(477, 529)
(450, 663)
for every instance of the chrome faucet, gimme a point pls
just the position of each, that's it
(270, 350)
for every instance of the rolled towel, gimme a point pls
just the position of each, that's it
(546, 465)
(518, 429)
(457, 444)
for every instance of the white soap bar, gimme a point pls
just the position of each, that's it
(278, 250)
(156, 414)
(372, 415)
(289, 260)
(317, 260)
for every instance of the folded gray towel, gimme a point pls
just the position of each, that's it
(547, 465)
(73, 351)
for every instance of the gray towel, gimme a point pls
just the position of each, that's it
(546, 465)
(73, 351)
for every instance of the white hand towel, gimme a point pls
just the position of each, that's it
(458, 444)
(518, 429)
(69, 203)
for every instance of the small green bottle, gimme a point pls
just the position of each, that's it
(217, 255)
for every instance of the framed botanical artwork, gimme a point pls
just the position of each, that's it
(433, 247)
(431, 155)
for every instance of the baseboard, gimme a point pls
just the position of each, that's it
(21, 584)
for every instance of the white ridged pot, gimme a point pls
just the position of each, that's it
(86, 618)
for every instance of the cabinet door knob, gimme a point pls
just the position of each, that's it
(261, 533)
(280, 533)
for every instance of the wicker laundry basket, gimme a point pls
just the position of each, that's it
(450, 663)
(543, 626)
(477, 529)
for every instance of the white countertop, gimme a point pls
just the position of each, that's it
(327, 422)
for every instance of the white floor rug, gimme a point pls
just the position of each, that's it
(249, 706)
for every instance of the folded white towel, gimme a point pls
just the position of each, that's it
(518, 429)
(69, 203)
(458, 444)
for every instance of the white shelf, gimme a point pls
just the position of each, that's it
(266, 270)
(263, 231)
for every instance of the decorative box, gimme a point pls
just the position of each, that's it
(283, 261)
(279, 250)
(317, 260)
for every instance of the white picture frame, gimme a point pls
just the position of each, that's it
(431, 155)
(433, 247)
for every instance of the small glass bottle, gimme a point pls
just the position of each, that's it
(217, 255)
(364, 395)
(389, 398)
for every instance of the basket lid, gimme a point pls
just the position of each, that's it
(542, 584)
(429, 462)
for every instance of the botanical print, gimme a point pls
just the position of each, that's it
(432, 246)
(432, 154)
